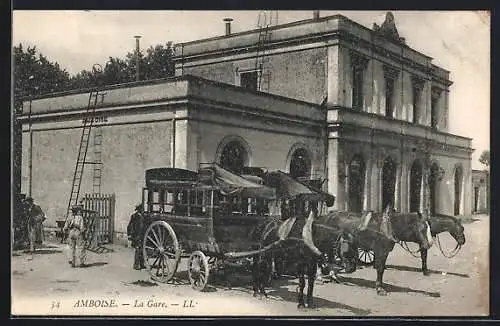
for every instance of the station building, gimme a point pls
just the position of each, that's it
(320, 97)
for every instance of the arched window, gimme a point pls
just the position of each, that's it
(433, 188)
(356, 184)
(300, 164)
(234, 156)
(388, 182)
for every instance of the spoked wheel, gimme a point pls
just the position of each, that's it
(366, 256)
(162, 252)
(198, 270)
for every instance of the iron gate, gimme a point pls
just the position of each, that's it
(104, 205)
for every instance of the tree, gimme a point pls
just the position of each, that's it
(485, 159)
(156, 63)
(34, 74)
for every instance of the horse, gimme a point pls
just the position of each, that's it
(379, 237)
(437, 224)
(325, 235)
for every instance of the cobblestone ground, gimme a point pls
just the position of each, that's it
(457, 286)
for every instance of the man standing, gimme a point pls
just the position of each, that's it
(76, 227)
(135, 229)
(35, 217)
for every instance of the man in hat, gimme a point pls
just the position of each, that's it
(35, 217)
(135, 229)
(76, 227)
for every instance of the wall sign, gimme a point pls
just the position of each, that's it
(98, 119)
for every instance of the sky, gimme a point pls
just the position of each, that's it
(458, 41)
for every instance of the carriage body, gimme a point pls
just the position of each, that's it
(196, 215)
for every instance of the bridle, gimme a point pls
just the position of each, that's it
(448, 254)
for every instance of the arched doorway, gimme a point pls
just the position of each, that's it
(433, 184)
(356, 184)
(415, 186)
(300, 163)
(388, 182)
(458, 189)
(233, 156)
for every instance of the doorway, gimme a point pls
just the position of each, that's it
(458, 189)
(433, 184)
(388, 182)
(356, 184)
(476, 198)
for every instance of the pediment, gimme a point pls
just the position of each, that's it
(388, 29)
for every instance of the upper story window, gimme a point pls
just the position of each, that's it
(249, 79)
(417, 87)
(358, 67)
(436, 94)
(390, 76)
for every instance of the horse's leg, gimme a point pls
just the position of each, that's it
(311, 276)
(379, 264)
(255, 275)
(423, 256)
(263, 274)
(302, 284)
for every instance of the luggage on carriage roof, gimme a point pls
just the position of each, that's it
(233, 184)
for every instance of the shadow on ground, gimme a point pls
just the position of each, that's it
(99, 263)
(41, 252)
(419, 270)
(242, 282)
(388, 287)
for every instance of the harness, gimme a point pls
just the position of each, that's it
(451, 254)
(448, 254)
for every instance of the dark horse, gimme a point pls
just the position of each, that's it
(378, 238)
(438, 224)
(325, 235)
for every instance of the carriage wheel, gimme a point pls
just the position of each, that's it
(161, 251)
(198, 270)
(366, 256)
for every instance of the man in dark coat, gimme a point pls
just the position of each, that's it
(35, 217)
(135, 230)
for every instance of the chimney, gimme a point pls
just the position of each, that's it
(137, 50)
(228, 25)
(316, 14)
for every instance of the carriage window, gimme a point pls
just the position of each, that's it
(154, 201)
(182, 203)
(145, 199)
(168, 201)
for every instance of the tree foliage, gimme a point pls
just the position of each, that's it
(485, 158)
(34, 74)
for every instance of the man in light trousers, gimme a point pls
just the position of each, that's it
(76, 227)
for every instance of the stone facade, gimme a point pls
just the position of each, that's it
(322, 103)
(347, 67)
(179, 122)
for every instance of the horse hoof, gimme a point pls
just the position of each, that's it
(255, 294)
(301, 305)
(381, 291)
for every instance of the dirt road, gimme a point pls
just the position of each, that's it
(456, 287)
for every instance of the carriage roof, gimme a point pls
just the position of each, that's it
(210, 176)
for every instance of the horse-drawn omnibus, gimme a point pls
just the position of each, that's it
(209, 216)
